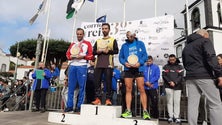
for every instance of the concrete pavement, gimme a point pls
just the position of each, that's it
(33, 118)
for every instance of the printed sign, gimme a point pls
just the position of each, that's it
(157, 34)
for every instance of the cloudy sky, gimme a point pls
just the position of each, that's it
(15, 14)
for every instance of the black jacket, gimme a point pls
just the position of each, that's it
(199, 58)
(173, 72)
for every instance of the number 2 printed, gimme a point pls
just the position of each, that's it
(63, 118)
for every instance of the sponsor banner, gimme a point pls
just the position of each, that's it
(156, 33)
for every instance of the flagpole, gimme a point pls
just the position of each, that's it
(47, 45)
(188, 18)
(124, 11)
(96, 9)
(46, 31)
(74, 26)
(221, 8)
(155, 8)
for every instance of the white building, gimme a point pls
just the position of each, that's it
(20, 61)
(23, 71)
(4, 62)
(203, 14)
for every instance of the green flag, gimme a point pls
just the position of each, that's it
(73, 7)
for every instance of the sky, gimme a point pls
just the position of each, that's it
(15, 16)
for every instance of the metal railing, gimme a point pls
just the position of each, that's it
(54, 98)
(11, 100)
(54, 103)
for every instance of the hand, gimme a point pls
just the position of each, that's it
(172, 84)
(79, 57)
(106, 50)
(99, 51)
(73, 56)
(127, 65)
(137, 65)
(43, 74)
(149, 84)
(220, 81)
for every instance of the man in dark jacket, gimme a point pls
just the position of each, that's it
(172, 76)
(201, 66)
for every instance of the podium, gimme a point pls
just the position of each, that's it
(97, 115)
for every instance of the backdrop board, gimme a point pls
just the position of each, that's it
(157, 34)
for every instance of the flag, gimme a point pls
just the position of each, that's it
(91, 0)
(32, 20)
(101, 19)
(41, 8)
(73, 7)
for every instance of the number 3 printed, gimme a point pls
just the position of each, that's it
(135, 122)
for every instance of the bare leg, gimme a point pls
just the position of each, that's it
(128, 83)
(143, 98)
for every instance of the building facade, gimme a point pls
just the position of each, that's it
(4, 62)
(203, 14)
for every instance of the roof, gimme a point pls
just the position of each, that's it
(190, 6)
(27, 67)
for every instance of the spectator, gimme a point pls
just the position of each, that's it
(31, 71)
(1, 84)
(41, 84)
(64, 93)
(90, 83)
(115, 80)
(172, 76)
(151, 77)
(5, 95)
(219, 58)
(20, 92)
(200, 62)
(55, 74)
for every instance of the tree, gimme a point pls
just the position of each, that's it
(26, 48)
(56, 50)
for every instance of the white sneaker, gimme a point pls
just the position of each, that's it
(177, 121)
(170, 120)
(6, 110)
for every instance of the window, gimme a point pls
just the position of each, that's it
(219, 13)
(179, 51)
(3, 68)
(195, 19)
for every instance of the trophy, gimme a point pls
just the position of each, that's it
(132, 59)
(75, 51)
(103, 45)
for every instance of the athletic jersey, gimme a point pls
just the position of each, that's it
(85, 50)
(106, 60)
(132, 49)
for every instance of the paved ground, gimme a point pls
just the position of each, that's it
(24, 118)
(33, 118)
